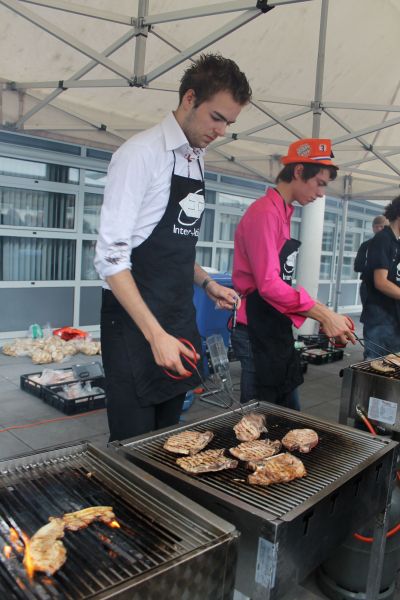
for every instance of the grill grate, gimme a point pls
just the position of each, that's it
(340, 452)
(365, 367)
(98, 558)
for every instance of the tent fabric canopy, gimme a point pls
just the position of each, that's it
(98, 72)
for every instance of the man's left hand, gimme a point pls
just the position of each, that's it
(224, 297)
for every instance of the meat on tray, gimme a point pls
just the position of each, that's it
(82, 518)
(46, 551)
(188, 442)
(209, 460)
(256, 450)
(250, 427)
(383, 366)
(302, 440)
(278, 469)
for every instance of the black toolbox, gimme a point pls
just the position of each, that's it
(320, 356)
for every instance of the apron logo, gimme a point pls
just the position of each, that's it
(288, 267)
(192, 207)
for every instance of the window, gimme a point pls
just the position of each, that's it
(37, 170)
(207, 226)
(227, 227)
(326, 267)
(88, 271)
(36, 208)
(224, 260)
(95, 178)
(234, 201)
(91, 212)
(36, 259)
(204, 256)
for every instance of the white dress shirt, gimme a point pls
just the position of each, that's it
(137, 191)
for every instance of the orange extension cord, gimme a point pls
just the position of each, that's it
(37, 423)
(396, 528)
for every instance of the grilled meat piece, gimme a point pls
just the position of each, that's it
(302, 440)
(188, 442)
(256, 450)
(250, 427)
(382, 366)
(46, 552)
(82, 518)
(209, 460)
(278, 469)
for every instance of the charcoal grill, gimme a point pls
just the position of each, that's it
(287, 530)
(166, 547)
(378, 394)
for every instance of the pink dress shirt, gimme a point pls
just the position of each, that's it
(259, 238)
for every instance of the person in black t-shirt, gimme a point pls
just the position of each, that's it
(381, 311)
(360, 260)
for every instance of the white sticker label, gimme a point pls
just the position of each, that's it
(267, 558)
(382, 410)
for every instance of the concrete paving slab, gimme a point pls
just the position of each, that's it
(11, 445)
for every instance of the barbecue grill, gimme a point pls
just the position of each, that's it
(166, 546)
(288, 529)
(378, 394)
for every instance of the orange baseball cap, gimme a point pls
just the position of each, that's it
(313, 150)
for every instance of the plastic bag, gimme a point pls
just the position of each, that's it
(69, 333)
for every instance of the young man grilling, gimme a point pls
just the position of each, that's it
(150, 222)
(262, 273)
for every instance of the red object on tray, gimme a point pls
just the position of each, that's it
(69, 333)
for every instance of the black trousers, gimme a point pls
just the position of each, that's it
(127, 417)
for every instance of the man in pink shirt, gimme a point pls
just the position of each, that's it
(263, 266)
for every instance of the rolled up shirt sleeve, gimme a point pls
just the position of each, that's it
(123, 197)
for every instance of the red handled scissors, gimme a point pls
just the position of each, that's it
(334, 341)
(191, 361)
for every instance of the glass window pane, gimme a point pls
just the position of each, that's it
(352, 242)
(295, 230)
(37, 170)
(95, 178)
(352, 222)
(224, 260)
(330, 216)
(203, 256)
(207, 226)
(234, 201)
(36, 259)
(328, 237)
(87, 267)
(347, 268)
(91, 212)
(326, 267)
(36, 208)
(227, 227)
(210, 197)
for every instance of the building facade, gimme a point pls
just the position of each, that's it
(50, 201)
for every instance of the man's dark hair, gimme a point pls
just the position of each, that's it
(212, 73)
(392, 210)
(309, 171)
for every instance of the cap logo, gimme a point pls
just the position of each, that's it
(304, 150)
(322, 148)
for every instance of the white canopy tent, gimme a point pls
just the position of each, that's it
(96, 73)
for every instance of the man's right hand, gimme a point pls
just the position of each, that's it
(167, 351)
(333, 325)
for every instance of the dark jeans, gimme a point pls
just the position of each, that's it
(380, 340)
(248, 384)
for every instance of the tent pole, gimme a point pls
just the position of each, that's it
(312, 218)
(345, 207)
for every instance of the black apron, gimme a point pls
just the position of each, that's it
(163, 269)
(277, 364)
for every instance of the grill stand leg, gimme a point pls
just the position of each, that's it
(378, 545)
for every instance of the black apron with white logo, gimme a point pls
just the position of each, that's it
(276, 361)
(163, 269)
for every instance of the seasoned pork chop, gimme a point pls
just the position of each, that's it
(188, 442)
(256, 450)
(382, 366)
(82, 518)
(302, 440)
(278, 469)
(47, 553)
(250, 427)
(209, 460)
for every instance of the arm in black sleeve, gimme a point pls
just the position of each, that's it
(361, 258)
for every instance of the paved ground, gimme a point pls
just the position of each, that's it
(28, 424)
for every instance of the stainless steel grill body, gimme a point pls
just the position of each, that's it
(167, 546)
(361, 383)
(287, 529)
